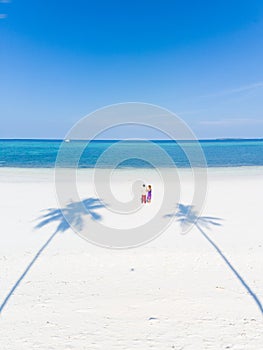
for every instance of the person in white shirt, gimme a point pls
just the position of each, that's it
(144, 194)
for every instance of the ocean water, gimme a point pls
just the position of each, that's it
(43, 153)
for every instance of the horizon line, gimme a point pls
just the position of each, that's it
(139, 139)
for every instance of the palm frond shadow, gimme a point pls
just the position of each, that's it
(186, 215)
(73, 214)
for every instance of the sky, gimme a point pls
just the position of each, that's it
(61, 60)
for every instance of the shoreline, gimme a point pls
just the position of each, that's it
(13, 174)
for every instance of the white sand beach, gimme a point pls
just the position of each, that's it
(177, 292)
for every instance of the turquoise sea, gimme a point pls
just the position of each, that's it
(43, 153)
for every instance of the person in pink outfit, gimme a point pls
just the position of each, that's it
(149, 194)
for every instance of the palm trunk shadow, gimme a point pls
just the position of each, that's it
(12, 290)
(240, 278)
(186, 215)
(72, 214)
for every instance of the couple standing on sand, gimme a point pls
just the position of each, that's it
(146, 194)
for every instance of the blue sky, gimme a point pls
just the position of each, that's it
(60, 60)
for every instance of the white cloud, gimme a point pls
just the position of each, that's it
(245, 88)
(191, 112)
(3, 15)
(240, 89)
(232, 121)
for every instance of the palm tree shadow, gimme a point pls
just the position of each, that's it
(187, 216)
(74, 213)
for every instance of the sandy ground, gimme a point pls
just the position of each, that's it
(176, 292)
